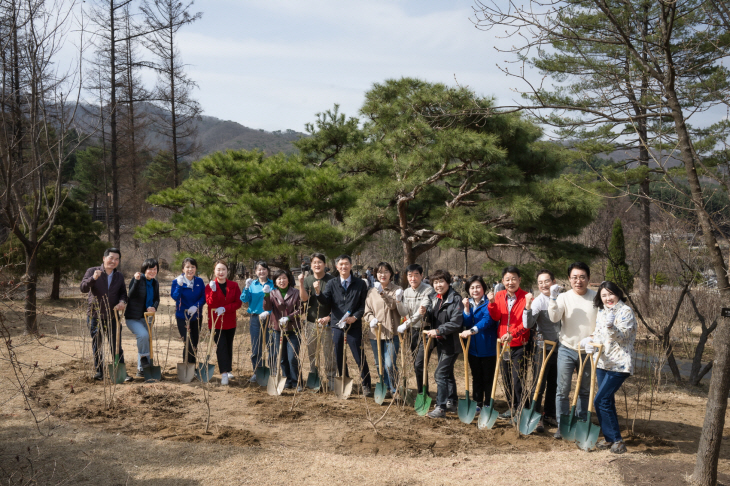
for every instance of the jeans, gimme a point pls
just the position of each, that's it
(567, 363)
(549, 386)
(194, 325)
(608, 383)
(482, 376)
(254, 329)
(97, 329)
(416, 348)
(354, 341)
(224, 349)
(514, 372)
(139, 329)
(390, 349)
(289, 359)
(325, 342)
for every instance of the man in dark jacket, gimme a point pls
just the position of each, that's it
(107, 294)
(445, 320)
(346, 296)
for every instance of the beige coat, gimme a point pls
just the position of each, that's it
(385, 309)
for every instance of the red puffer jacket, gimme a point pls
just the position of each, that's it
(510, 321)
(231, 302)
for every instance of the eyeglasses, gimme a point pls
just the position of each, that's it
(574, 278)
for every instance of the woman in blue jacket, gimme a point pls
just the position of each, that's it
(188, 292)
(253, 295)
(483, 348)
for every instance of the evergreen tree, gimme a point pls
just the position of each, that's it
(617, 270)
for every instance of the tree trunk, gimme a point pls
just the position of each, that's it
(31, 286)
(113, 126)
(56, 287)
(644, 288)
(466, 261)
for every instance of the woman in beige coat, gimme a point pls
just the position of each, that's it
(384, 306)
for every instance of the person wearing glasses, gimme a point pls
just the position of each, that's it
(577, 314)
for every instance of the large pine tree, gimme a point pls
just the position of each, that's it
(617, 270)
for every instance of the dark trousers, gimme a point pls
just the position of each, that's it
(549, 386)
(416, 347)
(354, 340)
(482, 375)
(515, 373)
(608, 383)
(194, 336)
(289, 359)
(97, 329)
(445, 379)
(224, 349)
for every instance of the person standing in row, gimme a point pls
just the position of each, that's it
(346, 296)
(253, 295)
(107, 294)
(483, 347)
(577, 314)
(223, 297)
(144, 296)
(188, 292)
(507, 307)
(417, 295)
(536, 314)
(318, 316)
(384, 306)
(284, 304)
(445, 321)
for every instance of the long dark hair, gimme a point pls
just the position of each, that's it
(611, 287)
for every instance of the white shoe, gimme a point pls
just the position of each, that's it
(253, 379)
(230, 376)
(224, 379)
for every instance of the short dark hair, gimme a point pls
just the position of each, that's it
(261, 264)
(579, 266)
(611, 287)
(475, 278)
(540, 272)
(387, 266)
(319, 256)
(279, 273)
(414, 268)
(113, 250)
(191, 261)
(511, 269)
(441, 275)
(150, 263)
(343, 257)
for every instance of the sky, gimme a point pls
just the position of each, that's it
(275, 64)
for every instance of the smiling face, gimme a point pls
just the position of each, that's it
(221, 272)
(511, 282)
(189, 270)
(608, 298)
(441, 286)
(579, 281)
(111, 261)
(384, 276)
(344, 266)
(317, 266)
(262, 273)
(476, 291)
(544, 282)
(414, 279)
(282, 281)
(150, 273)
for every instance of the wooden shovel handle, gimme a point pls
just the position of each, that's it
(380, 353)
(210, 340)
(582, 362)
(500, 350)
(426, 348)
(147, 315)
(594, 362)
(344, 357)
(544, 365)
(119, 332)
(466, 361)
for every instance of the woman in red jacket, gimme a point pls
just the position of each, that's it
(223, 297)
(506, 307)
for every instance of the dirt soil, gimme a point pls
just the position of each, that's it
(89, 432)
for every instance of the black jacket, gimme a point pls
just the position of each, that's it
(341, 301)
(103, 297)
(447, 317)
(136, 307)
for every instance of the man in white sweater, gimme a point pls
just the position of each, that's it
(575, 310)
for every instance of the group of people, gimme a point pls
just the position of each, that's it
(329, 310)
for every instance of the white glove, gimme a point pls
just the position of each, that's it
(221, 310)
(610, 317)
(212, 285)
(283, 321)
(180, 281)
(379, 287)
(342, 324)
(554, 291)
(192, 310)
(249, 281)
(403, 327)
(585, 343)
(267, 289)
(263, 315)
(373, 322)
(399, 295)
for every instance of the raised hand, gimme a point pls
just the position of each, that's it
(379, 287)
(399, 295)
(249, 281)
(315, 285)
(555, 291)
(137, 276)
(212, 285)
(97, 274)
(267, 289)
(490, 297)
(180, 281)
(528, 300)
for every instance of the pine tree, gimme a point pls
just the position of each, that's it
(617, 270)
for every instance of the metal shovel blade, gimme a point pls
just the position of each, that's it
(567, 425)
(314, 382)
(262, 375)
(117, 371)
(380, 391)
(488, 416)
(343, 387)
(423, 402)
(529, 418)
(185, 372)
(152, 373)
(276, 385)
(407, 395)
(205, 372)
(586, 433)
(467, 409)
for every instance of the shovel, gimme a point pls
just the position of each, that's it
(263, 372)
(423, 401)
(380, 389)
(586, 433)
(152, 372)
(117, 370)
(488, 416)
(314, 381)
(277, 383)
(206, 370)
(343, 383)
(568, 422)
(467, 407)
(408, 396)
(185, 370)
(530, 418)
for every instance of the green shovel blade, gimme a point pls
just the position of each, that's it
(262, 375)
(117, 371)
(152, 373)
(205, 372)
(314, 382)
(423, 402)
(567, 425)
(529, 418)
(380, 391)
(488, 416)
(586, 433)
(467, 409)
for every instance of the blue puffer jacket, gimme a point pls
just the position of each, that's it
(484, 343)
(186, 297)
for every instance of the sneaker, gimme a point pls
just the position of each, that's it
(618, 447)
(128, 379)
(253, 379)
(300, 389)
(139, 374)
(603, 445)
(558, 435)
(506, 415)
(451, 407)
(99, 376)
(540, 427)
(479, 409)
(550, 421)
(288, 386)
(367, 391)
(224, 379)
(230, 376)
(145, 361)
(437, 412)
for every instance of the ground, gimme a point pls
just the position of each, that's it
(154, 433)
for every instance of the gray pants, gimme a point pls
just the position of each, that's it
(326, 346)
(567, 364)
